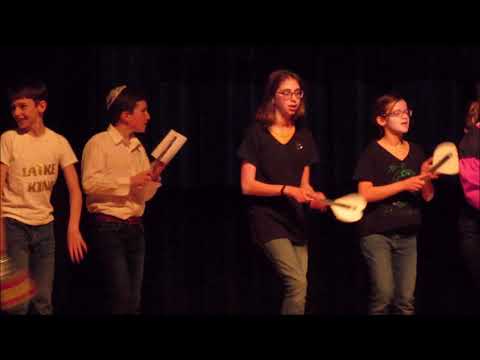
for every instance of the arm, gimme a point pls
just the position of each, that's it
(76, 244)
(377, 193)
(149, 189)
(470, 180)
(96, 180)
(373, 193)
(427, 190)
(250, 186)
(318, 197)
(305, 183)
(3, 180)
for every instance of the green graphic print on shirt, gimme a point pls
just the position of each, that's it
(398, 172)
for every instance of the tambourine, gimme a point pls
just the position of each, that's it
(348, 208)
(16, 287)
(445, 159)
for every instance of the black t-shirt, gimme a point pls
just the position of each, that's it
(273, 217)
(398, 213)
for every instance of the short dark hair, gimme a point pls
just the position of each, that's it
(126, 101)
(29, 89)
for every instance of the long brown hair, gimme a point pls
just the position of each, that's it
(265, 112)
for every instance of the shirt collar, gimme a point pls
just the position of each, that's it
(118, 138)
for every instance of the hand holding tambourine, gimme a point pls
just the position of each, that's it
(348, 208)
(445, 160)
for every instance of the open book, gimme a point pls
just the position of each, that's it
(166, 150)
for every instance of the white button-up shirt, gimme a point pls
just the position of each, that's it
(108, 162)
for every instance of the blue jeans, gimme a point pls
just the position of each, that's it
(120, 251)
(469, 230)
(291, 263)
(392, 264)
(32, 248)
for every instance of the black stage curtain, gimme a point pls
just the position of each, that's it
(200, 259)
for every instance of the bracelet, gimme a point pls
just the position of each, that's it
(283, 189)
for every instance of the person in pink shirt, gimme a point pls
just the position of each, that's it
(469, 227)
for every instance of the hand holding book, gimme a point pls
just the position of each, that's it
(165, 151)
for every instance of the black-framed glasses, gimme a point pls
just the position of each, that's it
(397, 113)
(289, 93)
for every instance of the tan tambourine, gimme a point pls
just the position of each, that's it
(348, 208)
(445, 159)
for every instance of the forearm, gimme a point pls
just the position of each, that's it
(97, 177)
(102, 185)
(305, 182)
(3, 177)
(3, 241)
(258, 188)
(378, 193)
(75, 210)
(428, 191)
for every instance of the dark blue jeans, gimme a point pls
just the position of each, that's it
(32, 248)
(120, 250)
(469, 229)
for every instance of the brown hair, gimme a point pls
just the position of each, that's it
(126, 101)
(29, 89)
(472, 114)
(265, 112)
(382, 106)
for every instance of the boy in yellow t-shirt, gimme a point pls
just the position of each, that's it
(29, 161)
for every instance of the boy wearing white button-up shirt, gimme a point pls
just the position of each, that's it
(117, 178)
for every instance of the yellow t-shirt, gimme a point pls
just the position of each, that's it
(33, 164)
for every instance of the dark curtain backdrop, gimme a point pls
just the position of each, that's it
(200, 259)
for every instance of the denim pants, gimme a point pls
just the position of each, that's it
(469, 231)
(32, 248)
(119, 250)
(291, 263)
(392, 264)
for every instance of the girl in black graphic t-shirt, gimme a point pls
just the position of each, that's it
(392, 176)
(275, 175)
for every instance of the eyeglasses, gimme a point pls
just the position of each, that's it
(288, 93)
(398, 113)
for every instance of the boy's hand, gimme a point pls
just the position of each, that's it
(141, 178)
(76, 245)
(157, 170)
